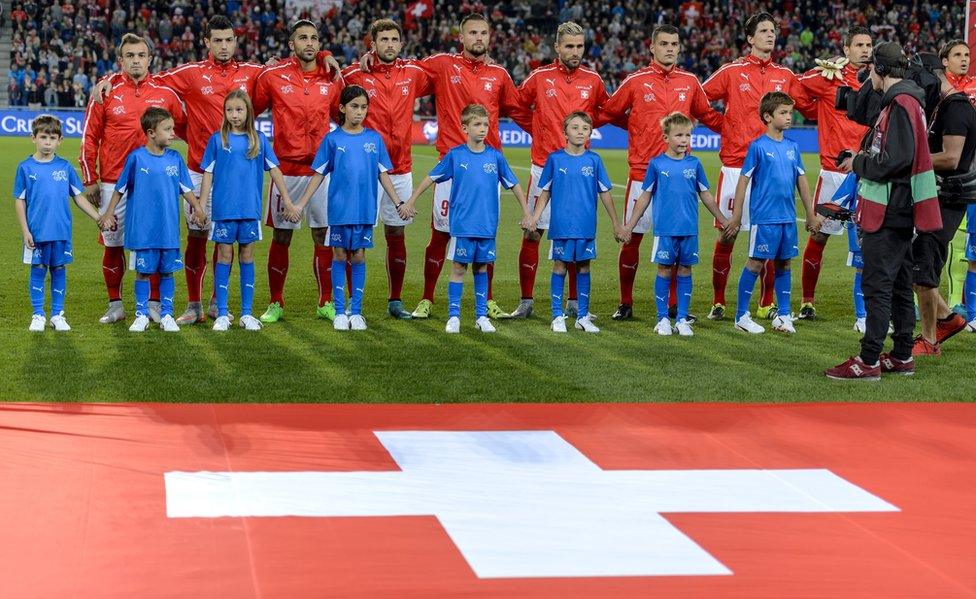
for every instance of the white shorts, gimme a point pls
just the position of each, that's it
(534, 193)
(442, 206)
(403, 184)
(115, 238)
(728, 179)
(633, 192)
(316, 212)
(827, 186)
(197, 179)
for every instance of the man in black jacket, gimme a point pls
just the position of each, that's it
(952, 141)
(889, 208)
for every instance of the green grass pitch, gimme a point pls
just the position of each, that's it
(301, 359)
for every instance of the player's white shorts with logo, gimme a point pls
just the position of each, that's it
(114, 238)
(316, 211)
(403, 184)
(827, 186)
(534, 192)
(442, 206)
(728, 179)
(197, 180)
(633, 192)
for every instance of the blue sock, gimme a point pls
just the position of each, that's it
(970, 290)
(859, 310)
(454, 291)
(142, 297)
(339, 286)
(358, 284)
(247, 288)
(583, 290)
(684, 296)
(747, 284)
(222, 285)
(37, 276)
(556, 285)
(167, 289)
(59, 287)
(662, 287)
(783, 285)
(480, 294)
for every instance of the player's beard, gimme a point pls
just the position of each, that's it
(572, 63)
(476, 51)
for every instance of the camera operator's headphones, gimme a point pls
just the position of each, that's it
(883, 65)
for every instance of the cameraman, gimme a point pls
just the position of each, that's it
(952, 141)
(896, 195)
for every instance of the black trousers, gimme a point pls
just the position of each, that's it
(887, 286)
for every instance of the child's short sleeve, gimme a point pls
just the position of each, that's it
(602, 178)
(443, 170)
(650, 178)
(752, 160)
(20, 183)
(322, 163)
(798, 161)
(186, 184)
(702, 179)
(123, 183)
(505, 174)
(210, 154)
(545, 179)
(385, 164)
(270, 158)
(74, 182)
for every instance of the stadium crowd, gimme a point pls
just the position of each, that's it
(60, 49)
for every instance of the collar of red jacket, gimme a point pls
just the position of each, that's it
(958, 81)
(128, 80)
(213, 64)
(753, 59)
(660, 70)
(472, 63)
(382, 67)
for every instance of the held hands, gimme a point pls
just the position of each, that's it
(622, 234)
(290, 212)
(406, 210)
(527, 223)
(814, 221)
(731, 228)
(106, 222)
(199, 217)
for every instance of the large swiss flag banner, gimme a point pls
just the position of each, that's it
(296, 501)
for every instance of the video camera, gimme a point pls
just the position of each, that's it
(863, 106)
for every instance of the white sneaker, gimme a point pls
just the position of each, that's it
(559, 324)
(168, 324)
(784, 324)
(453, 325)
(484, 325)
(155, 312)
(971, 326)
(684, 328)
(341, 322)
(860, 325)
(745, 323)
(115, 313)
(584, 324)
(59, 323)
(140, 324)
(38, 322)
(249, 323)
(222, 324)
(663, 327)
(357, 322)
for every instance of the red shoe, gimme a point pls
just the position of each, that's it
(854, 369)
(895, 366)
(944, 329)
(923, 347)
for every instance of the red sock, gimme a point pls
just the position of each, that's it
(627, 266)
(195, 263)
(113, 269)
(278, 271)
(528, 265)
(434, 261)
(154, 287)
(322, 267)
(571, 275)
(767, 284)
(721, 265)
(673, 293)
(213, 261)
(812, 258)
(396, 264)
